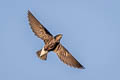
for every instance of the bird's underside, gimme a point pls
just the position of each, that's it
(51, 43)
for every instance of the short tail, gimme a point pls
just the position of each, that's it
(44, 57)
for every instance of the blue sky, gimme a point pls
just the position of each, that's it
(91, 32)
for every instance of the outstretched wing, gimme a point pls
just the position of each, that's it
(66, 57)
(38, 28)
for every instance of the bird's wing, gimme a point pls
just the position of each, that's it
(38, 28)
(66, 57)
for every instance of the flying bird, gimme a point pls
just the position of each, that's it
(52, 43)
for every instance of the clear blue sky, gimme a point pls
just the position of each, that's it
(91, 32)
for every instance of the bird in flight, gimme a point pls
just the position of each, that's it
(52, 43)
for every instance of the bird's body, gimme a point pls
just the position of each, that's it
(52, 43)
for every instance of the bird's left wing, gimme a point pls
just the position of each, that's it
(66, 57)
(38, 28)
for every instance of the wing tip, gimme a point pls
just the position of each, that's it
(77, 66)
(81, 67)
(29, 13)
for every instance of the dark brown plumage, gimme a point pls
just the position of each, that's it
(66, 57)
(38, 28)
(51, 43)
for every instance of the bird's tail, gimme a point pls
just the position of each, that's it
(43, 57)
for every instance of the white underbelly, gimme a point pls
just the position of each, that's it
(43, 52)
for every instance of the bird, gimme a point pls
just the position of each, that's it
(52, 43)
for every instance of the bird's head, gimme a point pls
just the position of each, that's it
(58, 37)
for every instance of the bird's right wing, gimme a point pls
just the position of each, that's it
(38, 28)
(66, 57)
